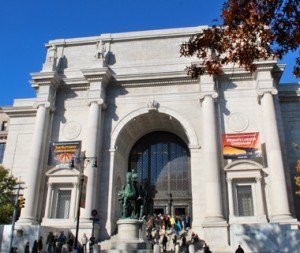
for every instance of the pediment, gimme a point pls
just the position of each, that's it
(62, 171)
(243, 165)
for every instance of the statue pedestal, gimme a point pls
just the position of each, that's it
(128, 229)
(128, 239)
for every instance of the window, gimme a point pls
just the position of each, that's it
(63, 204)
(244, 200)
(2, 149)
(4, 126)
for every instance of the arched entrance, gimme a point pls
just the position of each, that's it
(162, 161)
(126, 134)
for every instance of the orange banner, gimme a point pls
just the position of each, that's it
(241, 146)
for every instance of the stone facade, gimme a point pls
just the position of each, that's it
(109, 91)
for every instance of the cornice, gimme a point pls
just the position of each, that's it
(153, 79)
(78, 83)
(137, 35)
(97, 74)
(45, 78)
(15, 112)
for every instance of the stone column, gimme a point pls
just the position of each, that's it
(90, 171)
(49, 201)
(28, 214)
(230, 198)
(108, 224)
(74, 197)
(279, 200)
(214, 212)
(260, 203)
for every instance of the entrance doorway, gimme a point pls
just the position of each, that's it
(162, 162)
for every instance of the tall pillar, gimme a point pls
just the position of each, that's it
(49, 201)
(214, 225)
(108, 225)
(279, 200)
(28, 214)
(260, 203)
(230, 198)
(94, 125)
(214, 212)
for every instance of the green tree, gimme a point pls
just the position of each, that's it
(250, 30)
(7, 184)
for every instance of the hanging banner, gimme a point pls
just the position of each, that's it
(63, 152)
(241, 146)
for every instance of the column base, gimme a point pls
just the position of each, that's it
(27, 222)
(284, 219)
(216, 234)
(211, 221)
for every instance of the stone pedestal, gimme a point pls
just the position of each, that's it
(128, 229)
(128, 239)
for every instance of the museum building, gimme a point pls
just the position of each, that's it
(219, 149)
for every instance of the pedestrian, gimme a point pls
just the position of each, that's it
(183, 244)
(26, 249)
(206, 249)
(70, 242)
(164, 242)
(84, 241)
(239, 250)
(40, 244)
(61, 240)
(49, 242)
(92, 242)
(187, 222)
(35, 247)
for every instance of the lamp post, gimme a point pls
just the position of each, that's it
(15, 215)
(78, 161)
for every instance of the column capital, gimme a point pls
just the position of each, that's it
(45, 104)
(261, 92)
(229, 180)
(258, 179)
(212, 94)
(50, 185)
(99, 101)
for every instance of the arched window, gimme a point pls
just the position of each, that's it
(162, 161)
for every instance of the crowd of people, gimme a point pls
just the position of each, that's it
(172, 233)
(60, 243)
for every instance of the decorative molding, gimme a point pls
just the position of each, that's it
(262, 92)
(37, 104)
(152, 105)
(233, 166)
(212, 94)
(99, 101)
(238, 122)
(15, 112)
(45, 78)
(97, 74)
(71, 130)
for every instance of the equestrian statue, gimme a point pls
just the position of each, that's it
(131, 198)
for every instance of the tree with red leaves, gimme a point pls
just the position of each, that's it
(252, 30)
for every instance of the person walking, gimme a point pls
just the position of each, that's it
(35, 247)
(49, 242)
(164, 242)
(206, 249)
(84, 241)
(26, 249)
(239, 250)
(40, 244)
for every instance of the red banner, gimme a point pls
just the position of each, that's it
(241, 146)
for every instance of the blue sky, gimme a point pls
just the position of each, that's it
(26, 25)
